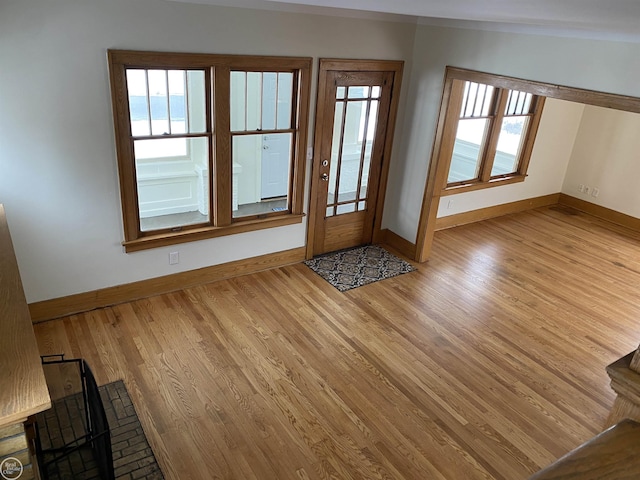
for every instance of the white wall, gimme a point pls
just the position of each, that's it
(607, 156)
(549, 160)
(58, 174)
(597, 65)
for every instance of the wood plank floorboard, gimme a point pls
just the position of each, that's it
(488, 362)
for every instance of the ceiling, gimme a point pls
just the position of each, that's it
(603, 19)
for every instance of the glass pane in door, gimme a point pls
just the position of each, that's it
(355, 121)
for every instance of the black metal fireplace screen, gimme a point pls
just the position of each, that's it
(76, 433)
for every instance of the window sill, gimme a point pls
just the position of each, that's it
(203, 233)
(468, 187)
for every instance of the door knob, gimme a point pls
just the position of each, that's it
(324, 177)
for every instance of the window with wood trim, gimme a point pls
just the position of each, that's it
(491, 131)
(208, 145)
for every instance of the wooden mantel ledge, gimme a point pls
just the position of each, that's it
(23, 389)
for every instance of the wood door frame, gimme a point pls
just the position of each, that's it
(331, 64)
(439, 165)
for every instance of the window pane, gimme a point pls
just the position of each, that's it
(159, 102)
(196, 102)
(177, 101)
(285, 96)
(340, 93)
(254, 101)
(477, 100)
(160, 148)
(261, 101)
(351, 151)
(238, 100)
(518, 103)
(509, 144)
(372, 123)
(335, 152)
(269, 100)
(172, 192)
(358, 92)
(174, 98)
(261, 172)
(138, 104)
(465, 161)
(347, 208)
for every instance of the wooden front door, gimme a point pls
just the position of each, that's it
(354, 126)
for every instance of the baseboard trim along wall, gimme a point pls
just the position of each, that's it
(395, 241)
(604, 213)
(496, 211)
(83, 302)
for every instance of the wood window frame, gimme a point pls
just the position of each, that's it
(455, 81)
(439, 169)
(217, 73)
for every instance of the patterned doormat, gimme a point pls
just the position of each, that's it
(358, 266)
(132, 455)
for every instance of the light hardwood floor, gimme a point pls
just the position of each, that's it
(488, 362)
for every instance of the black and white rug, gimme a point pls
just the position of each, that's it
(358, 266)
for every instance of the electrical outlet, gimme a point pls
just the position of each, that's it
(581, 187)
(595, 192)
(587, 190)
(174, 258)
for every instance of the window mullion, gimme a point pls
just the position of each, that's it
(221, 168)
(491, 143)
